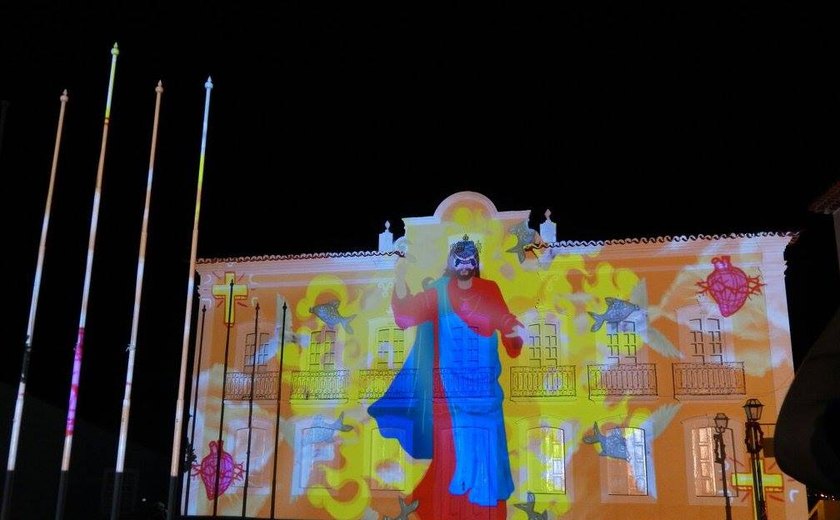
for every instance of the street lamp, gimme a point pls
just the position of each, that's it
(754, 439)
(721, 424)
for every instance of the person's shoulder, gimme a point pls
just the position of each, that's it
(485, 283)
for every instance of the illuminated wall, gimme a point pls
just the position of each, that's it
(630, 348)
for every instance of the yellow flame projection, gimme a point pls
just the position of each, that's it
(349, 493)
(321, 289)
(546, 288)
(609, 281)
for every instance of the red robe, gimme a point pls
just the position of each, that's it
(484, 310)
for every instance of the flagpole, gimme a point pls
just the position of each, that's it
(197, 363)
(179, 405)
(277, 417)
(30, 328)
(251, 405)
(138, 288)
(77, 352)
(217, 473)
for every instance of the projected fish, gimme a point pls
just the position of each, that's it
(729, 285)
(525, 238)
(617, 311)
(528, 507)
(323, 431)
(612, 445)
(405, 510)
(328, 313)
(338, 424)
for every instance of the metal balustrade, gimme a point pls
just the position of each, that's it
(542, 382)
(320, 385)
(615, 379)
(708, 379)
(238, 386)
(374, 382)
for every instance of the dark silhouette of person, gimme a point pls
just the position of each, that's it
(807, 437)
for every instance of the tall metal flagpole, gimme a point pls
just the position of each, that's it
(195, 397)
(30, 328)
(179, 405)
(216, 472)
(77, 355)
(277, 417)
(251, 405)
(138, 289)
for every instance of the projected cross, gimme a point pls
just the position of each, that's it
(772, 481)
(222, 292)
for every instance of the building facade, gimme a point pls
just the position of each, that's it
(629, 350)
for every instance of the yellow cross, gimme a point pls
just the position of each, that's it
(772, 482)
(222, 292)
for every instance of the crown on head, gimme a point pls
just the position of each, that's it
(465, 247)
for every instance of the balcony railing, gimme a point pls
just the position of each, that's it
(542, 382)
(320, 385)
(708, 379)
(464, 382)
(612, 380)
(374, 382)
(238, 386)
(460, 383)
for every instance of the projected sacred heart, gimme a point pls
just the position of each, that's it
(228, 470)
(729, 286)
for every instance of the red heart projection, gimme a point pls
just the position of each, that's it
(228, 470)
(729, 286)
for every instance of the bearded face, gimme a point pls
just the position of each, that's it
(464, 267)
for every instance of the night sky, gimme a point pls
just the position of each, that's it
(327, 121)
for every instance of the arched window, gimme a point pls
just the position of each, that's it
(256, 467)
(628, 476)
(704, 334)
(546, 460)
(387, 465)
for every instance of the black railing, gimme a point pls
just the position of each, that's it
(320, 385)
(374, 382)
(542, 382)
(238, 386)
(615, 379)
(708, 379)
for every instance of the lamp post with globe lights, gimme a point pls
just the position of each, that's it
(721, 425)
(754, 440)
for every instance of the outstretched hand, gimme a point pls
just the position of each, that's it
(514, 340)
(517, 332)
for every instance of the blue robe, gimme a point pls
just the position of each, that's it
(469, 372)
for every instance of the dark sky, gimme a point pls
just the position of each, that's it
(632, 121)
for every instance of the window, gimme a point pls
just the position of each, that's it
(261, 352)
(390, 347)
(628, 477)
(387, 461)
(318, 452)
(546, 460)
(705, 335)
(706, 339)
(322, 350)
(256, 467)
(705, 471)
(708, 479)
(543, 344)
(622, 342)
